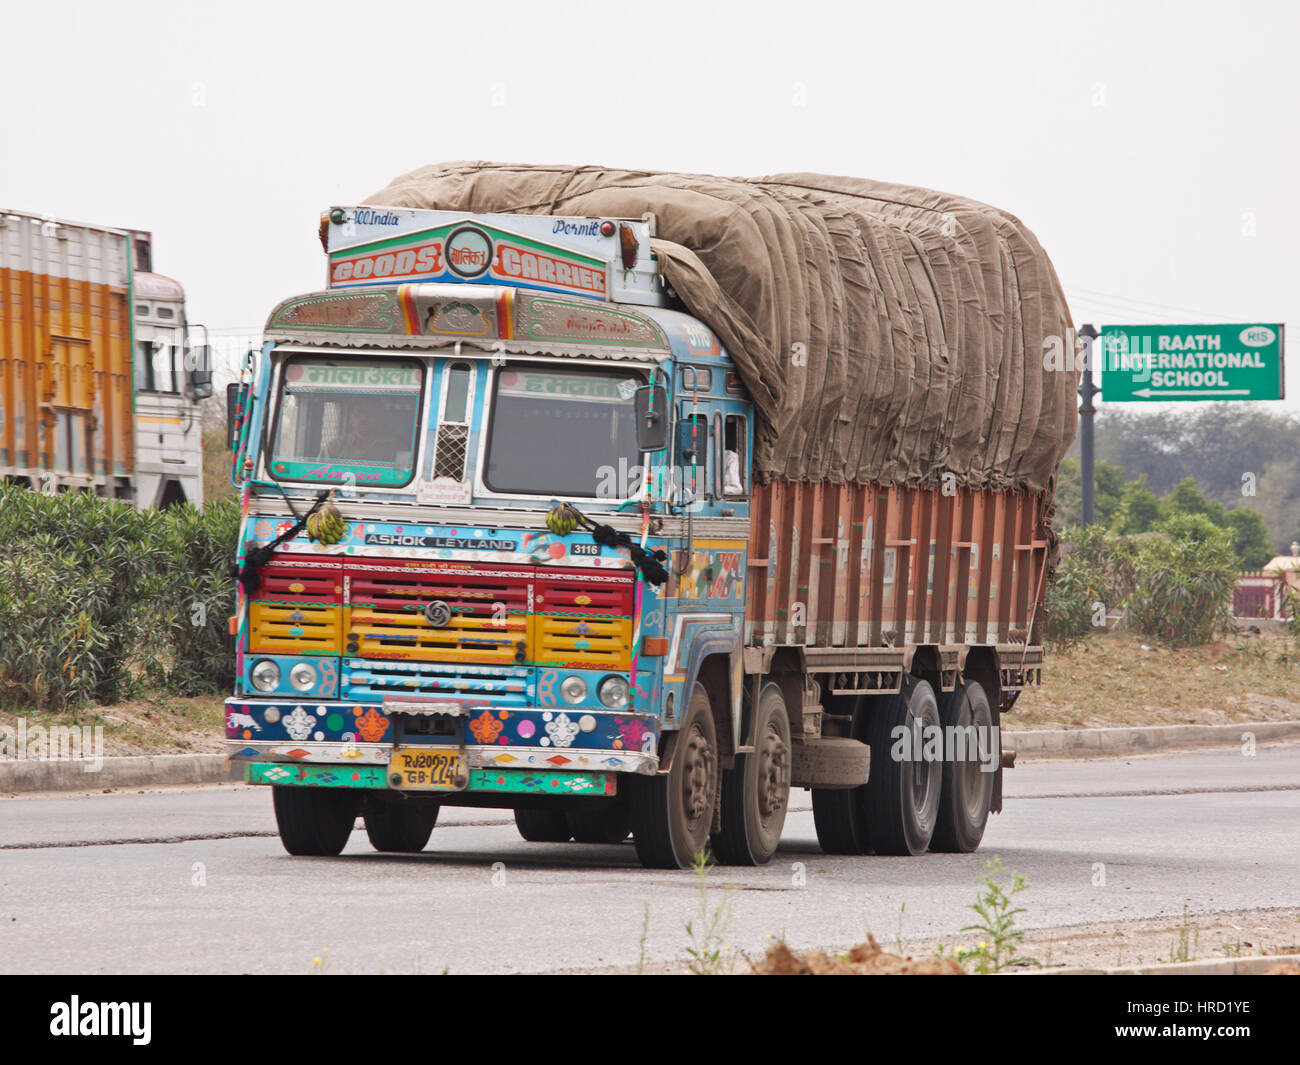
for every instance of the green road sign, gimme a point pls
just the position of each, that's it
(1179, 363)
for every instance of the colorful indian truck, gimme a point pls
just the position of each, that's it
(504, 546)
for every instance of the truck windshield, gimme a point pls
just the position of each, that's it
(563, 433)
(344, 419)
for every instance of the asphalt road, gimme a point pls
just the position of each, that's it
(194, 880)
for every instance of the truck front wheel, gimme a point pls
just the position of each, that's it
(756, 793)
(315, 822)
(904, 784)
(672, 813)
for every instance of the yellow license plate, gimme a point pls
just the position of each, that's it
(427, 769)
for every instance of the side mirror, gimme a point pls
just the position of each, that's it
(201, 380)
(236, 397)
(198, 364)
(652, 418)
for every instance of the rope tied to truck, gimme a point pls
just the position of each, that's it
(563, 518)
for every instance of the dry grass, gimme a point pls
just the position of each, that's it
(1119, 679)
(153, 725)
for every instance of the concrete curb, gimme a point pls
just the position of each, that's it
(1027, 741)
(130, 772)
(1226, 967)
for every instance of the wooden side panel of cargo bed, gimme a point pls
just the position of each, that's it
(870, 566)
(64, 346)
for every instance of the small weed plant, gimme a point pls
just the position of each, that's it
(708, 951)
(998, 948)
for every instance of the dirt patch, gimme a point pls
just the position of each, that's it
(1118, 679)
(866, 959)
(150, 725)
(1155, 941)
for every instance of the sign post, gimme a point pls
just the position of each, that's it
(1087, 390)
(1191, 363)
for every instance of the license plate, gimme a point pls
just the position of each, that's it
(427, 769)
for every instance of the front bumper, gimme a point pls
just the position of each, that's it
(350, 745)
(499, 781)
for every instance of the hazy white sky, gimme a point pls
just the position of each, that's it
(1153, 147)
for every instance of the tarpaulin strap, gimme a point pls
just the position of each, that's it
(560, 190)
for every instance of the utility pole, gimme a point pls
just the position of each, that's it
(1087, 389)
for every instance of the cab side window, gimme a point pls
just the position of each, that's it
(735, 475)
(693, 451)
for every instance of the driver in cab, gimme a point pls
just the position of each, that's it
(363, 437)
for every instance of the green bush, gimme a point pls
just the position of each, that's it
(192, 595)
(89, 586)
(1112, 557)
(73, 596)
(1071, 601)
(1185, 578)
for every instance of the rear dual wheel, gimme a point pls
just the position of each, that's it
(543, 826)
(967, 782)
(400, 827)
(903, 791)
(897, 809)
(840, 814)
(606, 824)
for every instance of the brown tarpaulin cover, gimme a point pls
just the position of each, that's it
(886, 333)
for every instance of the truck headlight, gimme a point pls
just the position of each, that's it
(303, 676)
(613, 692)
(574, 689)
(265, 675)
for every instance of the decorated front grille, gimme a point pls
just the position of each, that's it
(583, 619)
(297, 608)
(483, 615)
(505, 686)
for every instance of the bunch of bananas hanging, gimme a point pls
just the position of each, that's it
(326, 525)
(562, 519)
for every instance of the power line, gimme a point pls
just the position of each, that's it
(1148, 306)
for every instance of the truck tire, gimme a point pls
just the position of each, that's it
(967, 790)
(543, 826)
(840, 814)
(609, 824)
(400, 827)
(672, 812)
(756, 793)
(314, 822)
(902, 793)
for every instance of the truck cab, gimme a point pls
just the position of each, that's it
(170, 378)
(524, 591)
